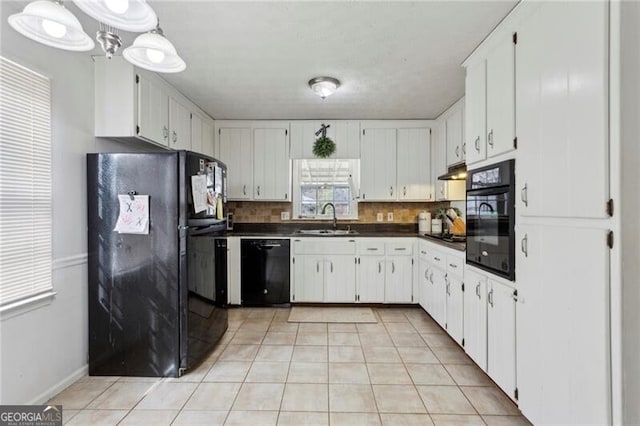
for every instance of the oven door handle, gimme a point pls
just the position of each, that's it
(505, 189)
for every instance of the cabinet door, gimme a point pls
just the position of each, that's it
(272, 171)
(179, 125)
(454, 129)
(340, 279)
(399, 280)
(207, 138)
(153, 112)
(378, 165)
(439, 161)
(501, 336)
(475, 112)
(421, 280)
(475, 317)
(562, 103)
(196, 134)
(413, 152)
(438, 295)
(371, 273)
(563, 307)
(454, 309)
(308, 278)
(302, 138)
(501, 102)
(347, 139)
(236, 153)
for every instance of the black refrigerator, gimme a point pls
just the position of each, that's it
(157, 261)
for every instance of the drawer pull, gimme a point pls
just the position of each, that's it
(453, 266)
(400, 248)
(423, 252)
(436, 258)
(379, 267)
(372, 248)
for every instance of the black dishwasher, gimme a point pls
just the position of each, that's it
(265, 272)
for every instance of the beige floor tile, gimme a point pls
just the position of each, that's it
(506, 421)
(490, 400)
(121, 396)
(234, 324)
(399, 327)
(429, 374)
(398, 399)
(344, 339)
(226, 337)
(132, 379)
(377, 328)
(98, 379)
(283, 327)
(262, 314)
(310, 354)
(348, 373)
(268, 372)
(418, 355)
(392, 315)
(255, 325)
(97, 417)
(279, 353)
(353, 419)
(388, 354)
(280, 338)
(299, 418)
(259, 396)
(167, 396)
(80, 394)
(310, 327)
(282, 314)
(308, 372)
(388, 374)
(247, 337)
(305, 397)
(213, 396)
(200, 417)
(228, 371)
(468, 375)
(239, 353)
(345, 354)
(351, 398)
(216, 352)
(149, 417)
(393, 419)
(430, 327)
(456, 420)
(252, 418)
(445, 400)
(194, 375)
(311, 338)
(438, 340)
(67, 415)
(407, 339)
(375, 339)
(451, 355)
(342, 328)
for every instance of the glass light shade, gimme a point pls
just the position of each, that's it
(324, 86)
(154, 52)
(128, 15)
(51, 24)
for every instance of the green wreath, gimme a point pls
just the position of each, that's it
(324, 147)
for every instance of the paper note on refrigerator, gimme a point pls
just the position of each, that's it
(199, 192)
(134, 214)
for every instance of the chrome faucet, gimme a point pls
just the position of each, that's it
(335, 220)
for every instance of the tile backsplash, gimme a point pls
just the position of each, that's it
(269, 212)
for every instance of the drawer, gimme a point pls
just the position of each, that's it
(423, 250)
(399, 248)
(324, 246)
(455, 265)
(438, 258)
(370, 247)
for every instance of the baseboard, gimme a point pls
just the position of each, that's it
(60, 386)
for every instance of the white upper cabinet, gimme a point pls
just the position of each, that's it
(271, 165)
(454, 134)
(179, 125)
(345, 134)
(208, 142)
(235, 148)
(413, 152)
(443, 189)
(562, 111)
(378, 165)
(196, 133)
(202, 135)
(153, 112)
(475, 101)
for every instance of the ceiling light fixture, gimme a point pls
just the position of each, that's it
(324, 86)
(50, 23)
(128, 15)
(153, 52)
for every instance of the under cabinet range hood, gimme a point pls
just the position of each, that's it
(455, 172)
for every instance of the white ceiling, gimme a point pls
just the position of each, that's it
(252, 60)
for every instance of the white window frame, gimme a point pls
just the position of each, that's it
(354, 185)
(26, 198)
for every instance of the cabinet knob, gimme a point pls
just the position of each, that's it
(174, 136)
(478, 290)
(524, 245)
(244, 189)
(490, 298)
(524, 195)
(258, 190)
(165, 132)
(391, 190)
(464, 148)
(458, 151)
(393, 267)
(490, 138)
(477, 144)
(379, 267)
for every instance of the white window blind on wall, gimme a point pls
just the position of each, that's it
(25, 184)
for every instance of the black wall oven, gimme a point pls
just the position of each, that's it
(491, 219)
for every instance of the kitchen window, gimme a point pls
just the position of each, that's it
(25, 187)
(318, 182)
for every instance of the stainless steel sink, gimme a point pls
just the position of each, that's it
(327, 232)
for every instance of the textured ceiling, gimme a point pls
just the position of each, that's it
(252, 60)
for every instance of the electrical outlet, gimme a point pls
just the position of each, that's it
(390, 217)
(379, 217)
(284, 216)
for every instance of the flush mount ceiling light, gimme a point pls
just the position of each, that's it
(50, 23)
(153, 52)
(128, 15)
(324, 86)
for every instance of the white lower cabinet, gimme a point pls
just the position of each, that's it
(371, 276)
(398, 286)
(438, 280)
(501, 336)
(340, 279)
(308, 279)
(475, 317)
(454, 310)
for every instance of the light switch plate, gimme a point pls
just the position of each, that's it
(379, 217)
(390, 217)
(284, 216)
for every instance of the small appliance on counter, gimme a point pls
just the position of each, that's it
(424, 222)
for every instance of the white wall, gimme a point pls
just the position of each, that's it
(45, 349)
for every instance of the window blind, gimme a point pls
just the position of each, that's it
(25, 184)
